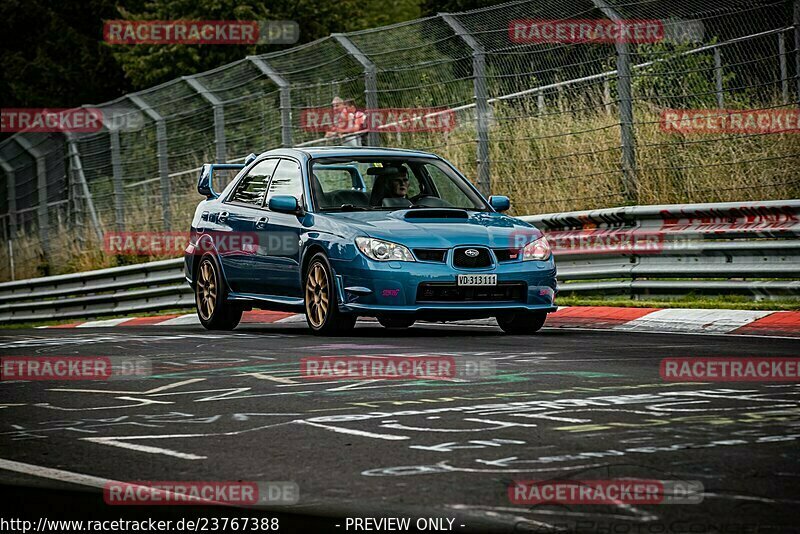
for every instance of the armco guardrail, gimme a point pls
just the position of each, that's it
(743, 248)
(145, 287)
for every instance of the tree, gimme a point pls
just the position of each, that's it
(53, 56)
(147, 65)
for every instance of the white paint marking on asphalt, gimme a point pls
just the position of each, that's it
(146, 448)
(350, 386)
(389, 437)
(264, 376)
(189, 318)
(54, 474)
(681, 319)
(104, 323)
(148, 392)
(297, 318)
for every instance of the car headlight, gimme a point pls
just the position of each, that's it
(380, 250)
(536, 250)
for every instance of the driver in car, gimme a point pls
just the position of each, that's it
(398, 183)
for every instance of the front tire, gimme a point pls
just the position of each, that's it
(210, 295)
(522, 323)
(322, 309)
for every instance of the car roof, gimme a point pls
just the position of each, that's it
(347, 151)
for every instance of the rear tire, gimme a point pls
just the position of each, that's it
(522, 323)
(211, 297)
(396, 322)
(322, 306)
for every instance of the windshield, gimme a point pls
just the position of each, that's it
(369, 183)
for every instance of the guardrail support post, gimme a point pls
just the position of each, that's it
(41, 188)
(12, 197)
(625, 108)
(116, 170)
(718, 78)
(796, 22)
(219, 115)
(784, 68)
(163, 157)
(481, 100)
(284, 89)
(75, 161)
(370, 80)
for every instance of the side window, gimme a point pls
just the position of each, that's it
(413, 182)
(447, 189)
(333, 179)
(287, 180)
(251, 188)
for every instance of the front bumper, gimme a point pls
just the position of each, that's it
(369, 287)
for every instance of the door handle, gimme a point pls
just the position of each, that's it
(261, 223)
(223, 216)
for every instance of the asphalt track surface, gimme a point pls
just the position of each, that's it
(564, 404)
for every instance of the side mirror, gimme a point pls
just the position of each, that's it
(499, 202)
(284, 204)
(204, 182)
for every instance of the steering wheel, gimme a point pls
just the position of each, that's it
(420, 196)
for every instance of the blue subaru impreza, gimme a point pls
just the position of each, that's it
(340, 232)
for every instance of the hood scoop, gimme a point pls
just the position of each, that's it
(433, 213)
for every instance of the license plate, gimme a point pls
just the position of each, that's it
(477, 279)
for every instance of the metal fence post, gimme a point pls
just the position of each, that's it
(219, 115)
(718, 77)
(119, 191)
(625, 108)
(796, 22)
(41, 187)
(370, 80)
(163, 157)
(77, 166)
(784, 68)
(12, 197)
(481, 100)
(607, 94)
(285, 97)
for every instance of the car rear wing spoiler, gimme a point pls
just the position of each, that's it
(205, 183)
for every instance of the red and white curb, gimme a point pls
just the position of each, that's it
(681, 320)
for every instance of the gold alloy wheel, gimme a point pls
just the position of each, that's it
(206, 290)
(317, 295)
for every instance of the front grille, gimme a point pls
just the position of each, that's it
(450, 292)
(506, 254)
(461, 259)
(430, 254)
